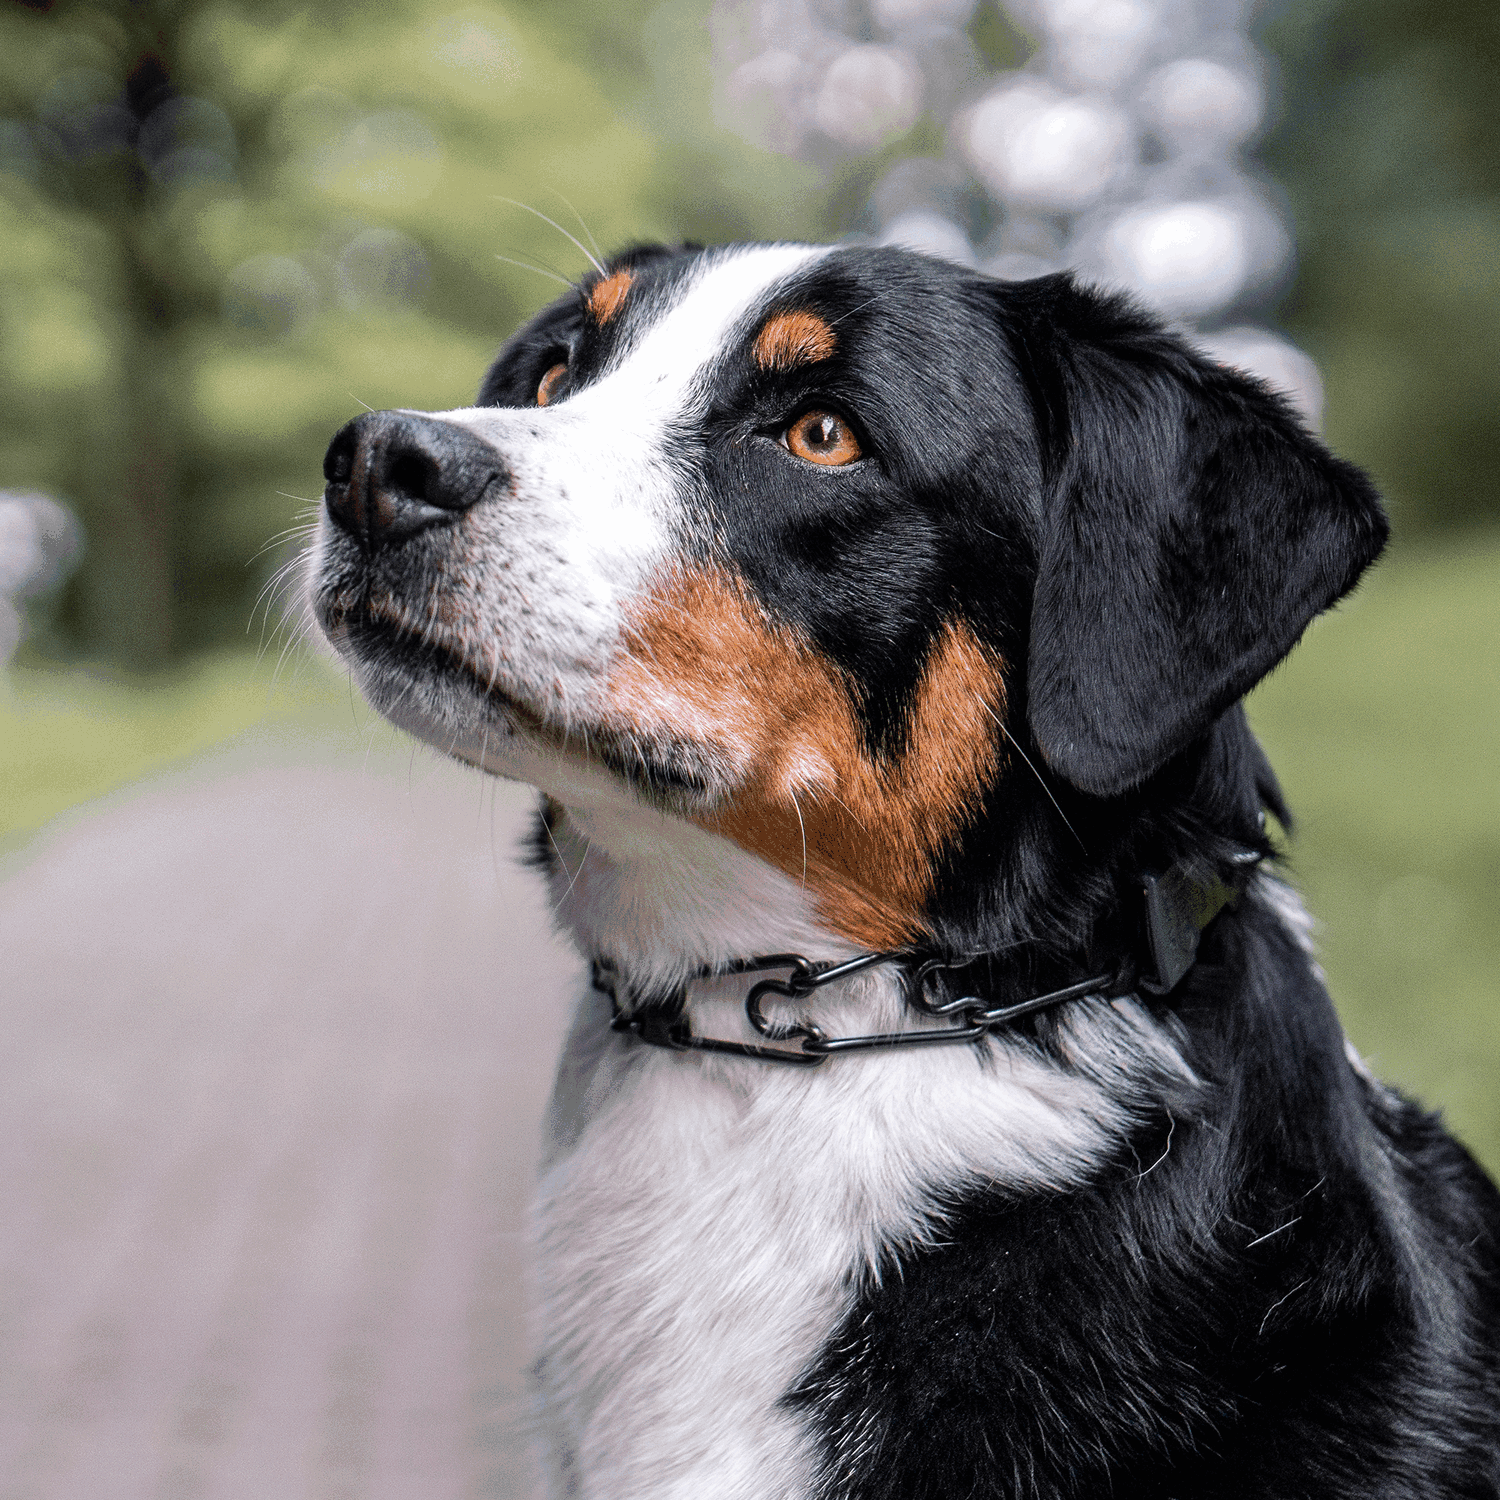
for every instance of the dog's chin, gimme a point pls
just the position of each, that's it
(423, 682)
(433, 689)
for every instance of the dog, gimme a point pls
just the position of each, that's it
(957, 1109)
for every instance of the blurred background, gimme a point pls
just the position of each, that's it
(225, 229)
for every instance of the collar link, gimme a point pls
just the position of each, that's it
(1177, 906)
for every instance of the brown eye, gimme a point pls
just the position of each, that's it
(822, 438)
(550, 382)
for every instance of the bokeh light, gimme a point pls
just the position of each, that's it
(1116, 150)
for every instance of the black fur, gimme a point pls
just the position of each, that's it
(1291, 1291)
(1192, 530)
(1139, 533)
(1289, 1287)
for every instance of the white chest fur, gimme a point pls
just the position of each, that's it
(703, 1223)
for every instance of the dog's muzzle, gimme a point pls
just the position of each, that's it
(391, 474)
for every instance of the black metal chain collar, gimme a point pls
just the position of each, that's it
(664, 1025)
(1177, 907)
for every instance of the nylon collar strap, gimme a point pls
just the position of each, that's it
(1176, 907)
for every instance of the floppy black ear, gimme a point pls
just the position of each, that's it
(1191, 528)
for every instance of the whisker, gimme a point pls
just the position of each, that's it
(558, 852)
(1261, 1239)
(304, 527)
(364, 404)
(267, 639)
(858, 820)
(301, 529)
(582, 224)
(803, 827)
(281, 579)
(862, 306)
(281, 662)
(582, 248)
(532, 261)
(268, 592)
(550, 275)
(1040, 782)
(280, 576)
(582, 859)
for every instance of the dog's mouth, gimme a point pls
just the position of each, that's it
(396, 651)
(382, 635)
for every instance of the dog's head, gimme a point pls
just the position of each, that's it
(904, 582)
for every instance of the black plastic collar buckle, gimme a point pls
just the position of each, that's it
(1178, 908)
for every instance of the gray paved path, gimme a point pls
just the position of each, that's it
(273, 1044)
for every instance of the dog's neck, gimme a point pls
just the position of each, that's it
(665, 904)
(662, 898)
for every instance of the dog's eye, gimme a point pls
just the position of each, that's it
(550, 382)
(822, 438)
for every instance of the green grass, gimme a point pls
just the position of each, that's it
(1384, 726)
(1385, 729)
(68, 737)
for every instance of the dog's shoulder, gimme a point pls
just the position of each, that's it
(1219, 1311)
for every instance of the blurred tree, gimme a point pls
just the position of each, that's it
(1389, 145)
(227, 225)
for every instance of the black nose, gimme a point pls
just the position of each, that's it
(393, 473)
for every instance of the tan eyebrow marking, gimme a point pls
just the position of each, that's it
(607, 296)
(864, 830)
(789, 339)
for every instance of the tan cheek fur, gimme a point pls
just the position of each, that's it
(706, 663)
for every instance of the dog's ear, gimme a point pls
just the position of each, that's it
(1191, 527)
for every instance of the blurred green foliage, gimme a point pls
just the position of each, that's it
(228, 226)
(1384, 727)
(1389, 147)
(68, 736)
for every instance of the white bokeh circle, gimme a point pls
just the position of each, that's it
(930, 233)
(1035, 147)
(1186, 259)
(868, 95)
(1198, 105)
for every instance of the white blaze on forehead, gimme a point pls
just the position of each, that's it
(655, 379)
(664, 363)
(601, 463)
